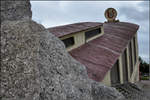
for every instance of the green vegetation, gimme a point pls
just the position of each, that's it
(144, 77)
(144, 70)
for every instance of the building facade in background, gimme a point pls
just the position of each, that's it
(108, 50)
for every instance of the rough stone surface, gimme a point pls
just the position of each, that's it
(36, 66)
(132, 91)
(15, 10)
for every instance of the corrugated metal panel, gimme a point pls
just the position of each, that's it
(60, 31)
(99, 55)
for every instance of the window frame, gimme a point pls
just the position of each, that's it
(90, 34)
(125, 66)
(72, 41)
(134, 46)
(130, 58)
(117, 68)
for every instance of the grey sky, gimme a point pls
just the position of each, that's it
(55, 13)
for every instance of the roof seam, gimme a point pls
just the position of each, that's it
(118, 37)
(106, 48)
(92, 62)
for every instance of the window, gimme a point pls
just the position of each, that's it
(92, 33)
(115, 79)
(125, 67)
(130, 59)
(134, 42)
(68, 41)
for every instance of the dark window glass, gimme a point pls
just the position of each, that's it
(130, 59)
(115, 75)
(92, 33)
(125, 67)
(68, 42)
(134, 42)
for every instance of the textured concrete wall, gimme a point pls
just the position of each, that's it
(107, 79)
(121, 69)
(36, 66)
(128, 60)
(135, 67)
(135, 74)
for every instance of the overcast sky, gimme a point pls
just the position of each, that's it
(55, 13)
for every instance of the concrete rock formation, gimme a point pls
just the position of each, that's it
(36, 66)
(132, 92)
(15, 10)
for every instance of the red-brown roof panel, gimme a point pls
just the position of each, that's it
(94, 53)
(60, 31)
(112, 43)
(100, 54)
(96, 73)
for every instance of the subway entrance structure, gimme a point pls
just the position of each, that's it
(108, 50)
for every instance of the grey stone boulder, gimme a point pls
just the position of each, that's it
(15, 10)
(36, 66)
